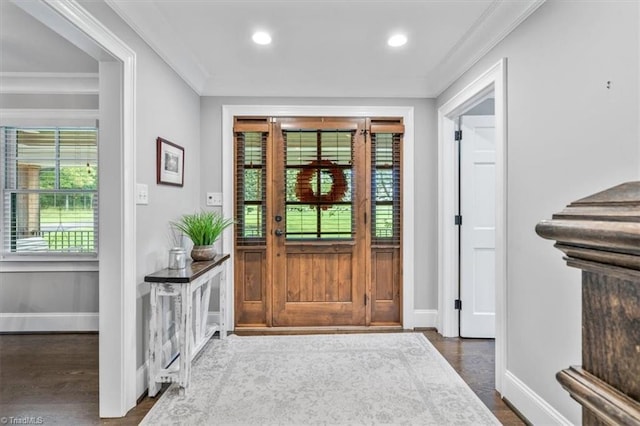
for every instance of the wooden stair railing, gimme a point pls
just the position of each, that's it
(600, 234)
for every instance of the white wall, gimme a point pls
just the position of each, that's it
(426, 165)
(568, 137)
(34, 47)
(165, 106)
(46, 297)
(57, 292)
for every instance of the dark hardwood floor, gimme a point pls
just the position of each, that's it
(54, 378)
(474, 360)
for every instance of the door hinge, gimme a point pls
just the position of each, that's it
(458, 220)
(366, 299)
(457, 304)
(457, 135)
(365, 218)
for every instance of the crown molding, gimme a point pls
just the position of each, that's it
(45, 83)
(493, 26)
(499, 19)
(62, 114)
(147, 21)
(48, 117)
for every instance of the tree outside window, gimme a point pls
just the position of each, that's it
(50, 195)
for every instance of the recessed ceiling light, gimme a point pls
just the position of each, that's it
(397, 40)
(261, 38)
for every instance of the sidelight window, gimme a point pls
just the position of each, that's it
(385, 188)
(251, 187)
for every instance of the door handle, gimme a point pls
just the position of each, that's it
(279, 232)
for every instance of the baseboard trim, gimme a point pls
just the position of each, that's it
(425, 318)
(142, 380)
(422, 318)
(529, 404)
(48, 322)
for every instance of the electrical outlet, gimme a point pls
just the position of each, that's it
(142, 193)
(214, 198)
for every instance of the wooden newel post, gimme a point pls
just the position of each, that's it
(600, 234)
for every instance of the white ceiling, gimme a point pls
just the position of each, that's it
(328, 48)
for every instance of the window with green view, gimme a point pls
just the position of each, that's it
(251, 187)
(50, 190)
(385, 188)
(318, 184)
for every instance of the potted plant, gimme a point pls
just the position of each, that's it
(203, 229)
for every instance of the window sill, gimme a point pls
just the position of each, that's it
(17, 263)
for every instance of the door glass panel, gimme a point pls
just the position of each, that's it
(301, 147)
(318, 184)
(384, 185)
(301, 221)
(336, 222)
(385, 188)
(253, 184)
(251, 188)
(252, 221)
(336, 147)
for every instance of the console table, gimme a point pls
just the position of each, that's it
(190, 289)
(600, 234)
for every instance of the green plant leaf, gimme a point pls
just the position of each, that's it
(203, 228)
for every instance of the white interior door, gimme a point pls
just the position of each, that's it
(477, 239)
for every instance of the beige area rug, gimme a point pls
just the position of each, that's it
(338, 379)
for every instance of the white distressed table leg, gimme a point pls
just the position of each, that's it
(204, 302)
(180, 330)
(199, 326)
(222, 293)
(155, 341)
(185, 338)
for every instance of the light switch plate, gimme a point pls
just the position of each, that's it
(214, 198)
(142, 193)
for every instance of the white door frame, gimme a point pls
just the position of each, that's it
(230, 111)
(494, 79)
(117, 256)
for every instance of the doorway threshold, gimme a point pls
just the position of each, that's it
(246, 331)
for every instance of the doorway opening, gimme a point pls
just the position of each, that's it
(318, 211)
(408, 214)
(116, 247)
(482, 248)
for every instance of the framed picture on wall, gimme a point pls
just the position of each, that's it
(169, 163)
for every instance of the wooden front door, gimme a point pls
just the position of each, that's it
(317, 238)
(320, 243)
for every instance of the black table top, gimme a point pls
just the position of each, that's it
(191, 272)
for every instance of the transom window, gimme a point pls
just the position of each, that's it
(50, 191)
